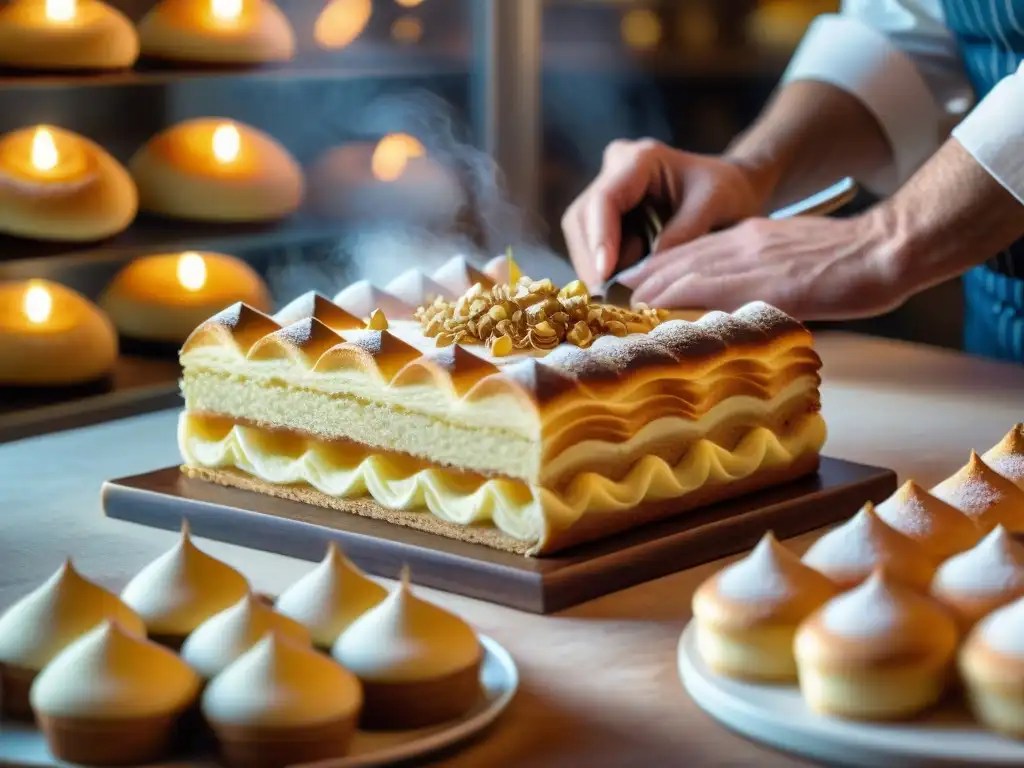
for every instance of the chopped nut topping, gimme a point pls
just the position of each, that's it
(529, 314)
(377, 321)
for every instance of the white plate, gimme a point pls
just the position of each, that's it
(776, 715)
(25, 746)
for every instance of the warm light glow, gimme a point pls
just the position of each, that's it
(226, 10)
(37, 304)
(408, 3)
(61, 10)
(392, 155)
(191, 271)
(227, 143)
(641, 29)
(44, 151)
(407, 29)
(341, 22)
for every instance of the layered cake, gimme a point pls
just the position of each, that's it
(508, 413)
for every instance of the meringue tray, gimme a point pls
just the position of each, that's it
(162, 499)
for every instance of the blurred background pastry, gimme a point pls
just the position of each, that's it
(211, 169)
(975, 583)
(984, 495)
(747, 614)
(112, 698)
(181, 589)
(940, 529)
(849, 553)
(43, 623)
(225, 636)
(282, 703)
(881, 651)
(418, 663)
(330, 597)
(992, 667)
(1007, 457)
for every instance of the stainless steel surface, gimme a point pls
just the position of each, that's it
(821, 203)
(506, 92)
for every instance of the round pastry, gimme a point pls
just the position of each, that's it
(112, 698)
(191, 31)
(217, 170)
(419, 664)
(984, 495)
(44, 622)
(282, 703)
(58, 186)
(848, 554)
(181, 589)
(976, 582)
(992, 667)
(86, 34)
(940, 529)
(225, 636)
(330, 597)
(53, 336)
(1007, 458)
(748, 613)
(879, 652)
(151, 298)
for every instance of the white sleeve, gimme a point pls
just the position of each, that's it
(899, 58)
(994, 133)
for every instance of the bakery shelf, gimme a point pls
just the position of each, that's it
(138, 385)
(150, 234)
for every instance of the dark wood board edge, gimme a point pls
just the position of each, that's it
(379, 555)
(536, 585)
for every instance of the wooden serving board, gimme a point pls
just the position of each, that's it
(161, 499)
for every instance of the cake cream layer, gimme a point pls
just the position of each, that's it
(520, 510)
(394, 391)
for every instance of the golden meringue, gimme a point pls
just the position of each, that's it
(225, 636)
(848, 554)
(942, 530)
(330, 597)
(1007, 457)
(112, 698)
(747, 614)
(976, 582)
(282, 703)
(992, 667)
(880, 651)
(419, 664)
(984, 495)
(181, 589)
(44, 622)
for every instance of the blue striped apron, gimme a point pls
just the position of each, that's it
(991, 40)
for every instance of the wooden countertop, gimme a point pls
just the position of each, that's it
(599, 685)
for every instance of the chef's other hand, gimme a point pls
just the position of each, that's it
(710, 193)
(811, 268)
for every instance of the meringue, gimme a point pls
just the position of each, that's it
(1007, 458)
(330, 597)
(747, 614)
(225, 636)
(941, 529)
(983, 495)
(976, 582)
(880, 651)
(181, 589)
(992, 667)
(848, 554)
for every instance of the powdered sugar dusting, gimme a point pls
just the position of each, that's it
(906, 511)
(857, 543)
(994, 566)
(869, 610)
(764, 574)
(1003, 629)
(971, 490)
(1007, 458)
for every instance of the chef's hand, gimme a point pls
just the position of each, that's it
(713, 193)
(812, 268)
